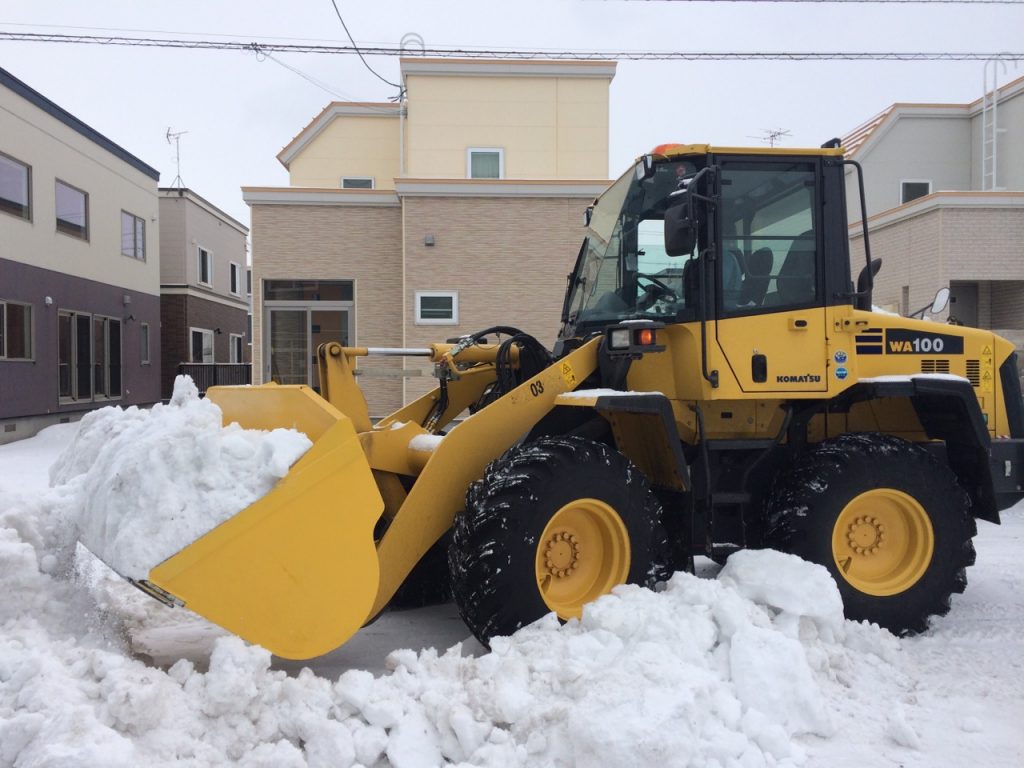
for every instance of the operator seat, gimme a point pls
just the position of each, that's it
(759, 274)
(796, 280)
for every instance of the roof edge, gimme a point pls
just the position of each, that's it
(57, 112)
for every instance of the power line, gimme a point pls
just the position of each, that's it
(361, 57)
(537, 53)
(852, 2)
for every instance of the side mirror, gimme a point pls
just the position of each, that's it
(588, 214)
(645, 167)
(680, 232)
(941, 300)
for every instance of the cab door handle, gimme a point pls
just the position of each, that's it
(797, 324)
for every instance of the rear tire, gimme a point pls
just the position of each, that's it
(553, 524)
(891, 524)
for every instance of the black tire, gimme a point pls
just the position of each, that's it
(494, 560)
(428, 583)
(825, 487)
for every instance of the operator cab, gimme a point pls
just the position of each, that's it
(740, 240)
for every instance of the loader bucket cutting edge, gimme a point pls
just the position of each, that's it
(296, 571)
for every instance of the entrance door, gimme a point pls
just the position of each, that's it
(289, 345)
(326, 325)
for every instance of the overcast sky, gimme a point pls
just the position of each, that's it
(240, 111)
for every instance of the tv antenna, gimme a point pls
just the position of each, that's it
(176, 139)
(771, 136)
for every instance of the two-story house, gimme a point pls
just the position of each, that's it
(456, 209)
(945, 201)
(79, 267)
(204, 288)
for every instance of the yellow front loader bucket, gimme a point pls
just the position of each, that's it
(297, 571)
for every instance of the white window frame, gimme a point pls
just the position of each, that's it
(106, 320)
(27, 215)
(138, 247)
(235, 276)
(371, 179)
(454, 320)
(469, 160)
(200, 250)
(30, 341)
(914, 181)
(213, 350)
(144, 342)
(84, 234)
(94, 397)
(231, 348)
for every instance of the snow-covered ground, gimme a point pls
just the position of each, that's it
(749, 666)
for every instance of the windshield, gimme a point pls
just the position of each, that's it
(624, 272)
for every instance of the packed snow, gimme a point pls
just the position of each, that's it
(144, 483)
(752, 666)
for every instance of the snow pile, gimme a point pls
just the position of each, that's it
(754, 668)
(149, 482)
(706, 673)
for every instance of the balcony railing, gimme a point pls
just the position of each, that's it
(206, 375)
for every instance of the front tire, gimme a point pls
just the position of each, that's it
(891, 524)
(553, 524)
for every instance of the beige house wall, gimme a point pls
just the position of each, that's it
(547, 127)
(55, 151)
(323, 242)
(984, 244)
(351, 145)
(507, 258)
(951, 244)
(911, 253)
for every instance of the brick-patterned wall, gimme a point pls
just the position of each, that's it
(946, 245)
(508, 258)
(173, 340)
(179, 313)
(912, 255)
(984, 243)
(1007, 305)
(360, 243)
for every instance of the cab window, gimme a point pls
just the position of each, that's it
(768, 235)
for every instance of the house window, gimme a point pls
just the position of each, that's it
(911, 190)
(357, 182)
(485, 163)
(15, 331)
(106, 357)
(15, 187)
(72, 210)
(437, 307)
(248, 282)
(144, 344)
(235, 344)
(202, 345)
(235, 277)
(205, 267)
(88, 356)
(133, 236)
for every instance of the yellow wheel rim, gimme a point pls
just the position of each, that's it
(582, 554)
(883, 542)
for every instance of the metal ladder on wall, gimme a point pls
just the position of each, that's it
(990, 129)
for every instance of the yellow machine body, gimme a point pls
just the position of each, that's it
(303, 568)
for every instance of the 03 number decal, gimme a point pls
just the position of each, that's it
(537, 388)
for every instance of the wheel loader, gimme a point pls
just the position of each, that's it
(719, 382)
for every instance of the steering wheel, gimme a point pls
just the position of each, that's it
(658, 289)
